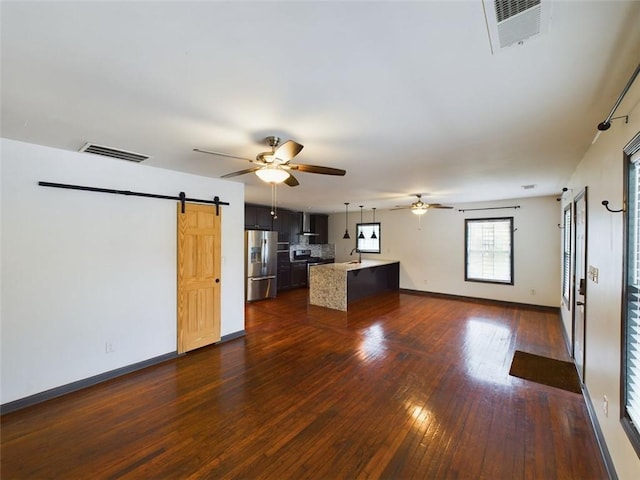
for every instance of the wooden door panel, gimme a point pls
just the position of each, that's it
(198, 277)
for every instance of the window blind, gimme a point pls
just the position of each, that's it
(566, 261)
(632, 327)
(489, 254)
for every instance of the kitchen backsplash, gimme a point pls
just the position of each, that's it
(325, 250)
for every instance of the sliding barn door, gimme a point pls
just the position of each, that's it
(198, 277)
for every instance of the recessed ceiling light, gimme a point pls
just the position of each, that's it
(529, 187)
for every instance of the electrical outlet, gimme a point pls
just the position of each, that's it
(425, 281)
(605, 406)
(108, 347)
(533, 292)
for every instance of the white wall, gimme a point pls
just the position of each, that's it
(80, 269)
(431, 253)
(601, 170)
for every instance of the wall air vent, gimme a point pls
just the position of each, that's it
(511, 22)
(113, 153)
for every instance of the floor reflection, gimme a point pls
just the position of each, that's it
(421, 414)
(486, 348)
(373, 344)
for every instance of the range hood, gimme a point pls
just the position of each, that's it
(307, 226)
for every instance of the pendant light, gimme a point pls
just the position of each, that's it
(361, 236)
(346, 235)
(373, 235)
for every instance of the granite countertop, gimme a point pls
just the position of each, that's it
(349, 266)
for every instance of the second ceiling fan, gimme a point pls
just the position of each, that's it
(275, 166)
(419, 207)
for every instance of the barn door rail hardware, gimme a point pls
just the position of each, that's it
(606, 124)
(182, 197)
(487, 208)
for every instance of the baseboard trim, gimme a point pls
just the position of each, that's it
(565, 335)
(487, 301)
(232, 336)
(100, 378)
(602, 444)
(80, 384)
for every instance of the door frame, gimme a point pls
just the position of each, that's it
(575, 303)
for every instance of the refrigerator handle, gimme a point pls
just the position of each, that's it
(257, 279)
(264, 255)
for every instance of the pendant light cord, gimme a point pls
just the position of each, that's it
(346, 235)
(361, 236)
(373, 228)
(274, 201)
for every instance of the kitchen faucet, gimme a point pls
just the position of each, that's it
(359, 254)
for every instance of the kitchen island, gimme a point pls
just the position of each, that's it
(338, 284)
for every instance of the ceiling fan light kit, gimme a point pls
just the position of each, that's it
(419, 210)
(272, 174)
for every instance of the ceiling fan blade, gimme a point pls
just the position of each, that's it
(437, 205)
(318, 169)
(292, 181)
(288, 150)
(222, 154)
(240, 172)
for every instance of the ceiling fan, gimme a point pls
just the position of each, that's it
(275, 166)
(419, 207)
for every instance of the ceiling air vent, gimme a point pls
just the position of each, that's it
(511, 22)
(113, 153)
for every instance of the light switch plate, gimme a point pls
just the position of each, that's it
(593, 273)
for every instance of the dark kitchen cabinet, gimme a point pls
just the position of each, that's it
(284, 276)
(282, 226)
(284, 271)
(257, 217)
(298, 274)
(319, 226)
(295, 226)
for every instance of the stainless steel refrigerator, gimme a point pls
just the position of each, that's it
(260, 264)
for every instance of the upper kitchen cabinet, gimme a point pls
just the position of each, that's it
(295, 226)
(282, 224)
(319, 226)
(257, 217)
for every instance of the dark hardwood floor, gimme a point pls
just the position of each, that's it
(402, 386)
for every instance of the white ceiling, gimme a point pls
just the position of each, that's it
(405, 96)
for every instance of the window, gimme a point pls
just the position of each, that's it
(566, 256)
(489, 250)
(368, 237)
(630, 368)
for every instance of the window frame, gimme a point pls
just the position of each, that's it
(567, 251)
(376, 229)
(467, 278)
(632, 430)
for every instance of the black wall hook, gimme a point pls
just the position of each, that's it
(606, 205)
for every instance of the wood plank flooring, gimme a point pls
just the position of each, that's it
(402, 386)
